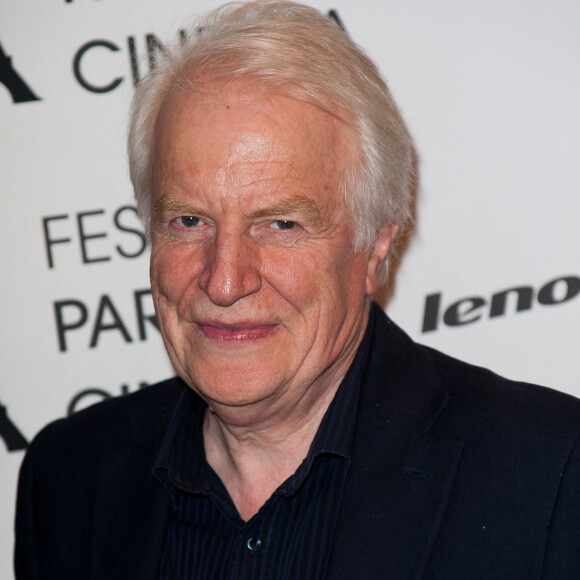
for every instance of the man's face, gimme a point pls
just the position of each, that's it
(258, 293)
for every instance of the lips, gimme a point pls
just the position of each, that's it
(241, 332)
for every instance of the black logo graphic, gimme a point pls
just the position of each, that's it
(520, 298)
(13, 439)
(20, 91)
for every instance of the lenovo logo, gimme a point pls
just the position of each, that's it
(512, 300)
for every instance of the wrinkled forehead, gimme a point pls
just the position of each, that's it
(244, 123)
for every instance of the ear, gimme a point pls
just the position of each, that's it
(378, 256)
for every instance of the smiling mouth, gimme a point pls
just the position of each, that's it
(236, 332)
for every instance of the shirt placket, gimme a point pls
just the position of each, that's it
(255, 544)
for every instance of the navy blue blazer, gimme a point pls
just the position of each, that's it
(456, 474)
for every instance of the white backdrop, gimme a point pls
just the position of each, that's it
(490, 91)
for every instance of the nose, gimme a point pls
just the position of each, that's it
(231, 269)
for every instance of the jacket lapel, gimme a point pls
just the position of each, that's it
(132, 511)
(132, 508)
(401, 473)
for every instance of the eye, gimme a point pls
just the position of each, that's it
(188, 221)
(283, 225)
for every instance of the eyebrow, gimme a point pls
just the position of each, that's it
(167, 203)
(293, 204)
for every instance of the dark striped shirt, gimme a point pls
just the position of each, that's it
(291, 536)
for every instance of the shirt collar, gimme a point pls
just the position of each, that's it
(335, 435)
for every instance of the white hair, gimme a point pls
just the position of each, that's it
(299, 52)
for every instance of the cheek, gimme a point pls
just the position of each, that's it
(308, 279)
(291, 272)
(173, 273)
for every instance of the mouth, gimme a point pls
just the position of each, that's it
(242, 332)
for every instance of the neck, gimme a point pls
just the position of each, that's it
(254, 460)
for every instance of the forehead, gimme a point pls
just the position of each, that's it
(240, 132)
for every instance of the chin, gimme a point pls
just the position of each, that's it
(236, 388)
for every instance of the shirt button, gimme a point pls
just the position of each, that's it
(254, 544)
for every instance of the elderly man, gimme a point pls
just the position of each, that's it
(307, 437)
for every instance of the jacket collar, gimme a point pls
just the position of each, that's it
(402, 472)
